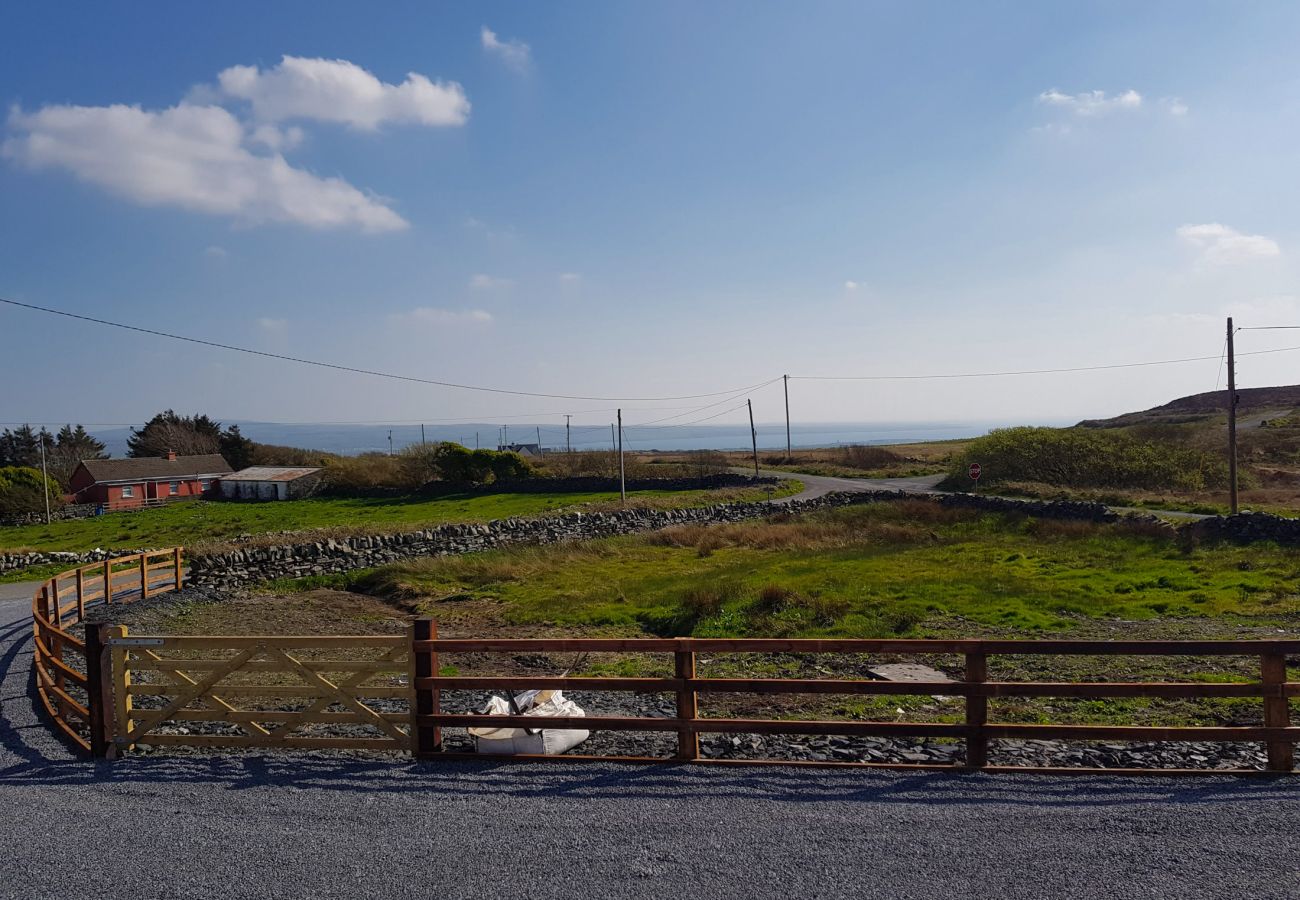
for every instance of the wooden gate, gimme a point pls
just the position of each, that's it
(264, 691)
(67, 667)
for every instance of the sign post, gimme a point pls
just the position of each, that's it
(975, 471)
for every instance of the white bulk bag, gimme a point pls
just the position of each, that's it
(517, 740)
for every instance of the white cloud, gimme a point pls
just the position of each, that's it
(514, 53)
(335, 90)
(273, 326)
(852, 285)
(570, 277)
(276, 139)
(1176, 107)
(212, 251)
(1221, 245)
(191, 157)
(428, 315)
(1091, 103)
(489, 282)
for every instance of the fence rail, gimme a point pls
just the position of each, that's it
(1273, 689)
(245, 689)
(69, 669)
(115, 689)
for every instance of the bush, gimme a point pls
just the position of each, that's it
(23, 491)
(861, 456)
(1079, 457)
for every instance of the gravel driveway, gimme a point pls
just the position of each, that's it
(321, 827)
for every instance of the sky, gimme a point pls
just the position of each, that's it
(634, 201)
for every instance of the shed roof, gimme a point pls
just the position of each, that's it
(156, 467)
(271, 473)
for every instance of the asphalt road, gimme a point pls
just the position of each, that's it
(321, 827)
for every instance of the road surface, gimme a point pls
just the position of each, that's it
(819, 485)
(320, 827)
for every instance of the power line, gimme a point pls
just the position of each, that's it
(1157, 362)
(1267, 328)
(353, 369)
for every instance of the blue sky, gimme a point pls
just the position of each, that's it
(635, 200)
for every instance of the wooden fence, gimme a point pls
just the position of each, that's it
(1273, 688)
(297, 691)
(69, 673)
(233, 691)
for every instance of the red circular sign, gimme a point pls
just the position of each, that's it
(975, 471)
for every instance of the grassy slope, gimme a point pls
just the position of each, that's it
(194, 522)
(871, 571)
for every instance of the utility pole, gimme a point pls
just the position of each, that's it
(505, 429)
(787, 417)
(476, 440)
(1232, 422)
(390, 442)
(539, 439)
(45, 483)
(753, 433)
(568, 445)
(421, 434)
(622, 473)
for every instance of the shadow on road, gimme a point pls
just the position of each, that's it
(605, 782)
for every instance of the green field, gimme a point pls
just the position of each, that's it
(191, 523)
(870, 571)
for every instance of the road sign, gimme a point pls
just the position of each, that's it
(975, 471)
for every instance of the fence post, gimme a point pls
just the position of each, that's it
(176, 566)
(144, 576)
(426, 740)
(99, 691)
(52, 595)
(1277, 713)
(688, 740)
(123, 704)
(108, 581)
(81, 594)
(977, 713)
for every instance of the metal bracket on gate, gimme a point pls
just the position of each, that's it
(135, 642)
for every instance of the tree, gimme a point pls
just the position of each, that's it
(22, 446)
(71, 446)
(185, 435)
(237, 449)
(23, 491)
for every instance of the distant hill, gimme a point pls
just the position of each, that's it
(1207, 407)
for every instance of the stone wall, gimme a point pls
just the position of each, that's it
(11, 561)
(307, 557)
(591, 483)
(1248, 527)
(365, 551)
(67, 511)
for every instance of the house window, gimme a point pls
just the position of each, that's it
(204, 485)
(174, 488)
(128, 491)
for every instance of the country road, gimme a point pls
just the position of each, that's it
(819, 485)
(333, 827)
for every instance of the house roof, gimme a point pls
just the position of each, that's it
(271, 473)
(156, 467)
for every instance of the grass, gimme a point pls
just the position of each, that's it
(911, 569)
(195, 523)
(870, 571)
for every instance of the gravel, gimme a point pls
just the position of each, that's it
(310, 825)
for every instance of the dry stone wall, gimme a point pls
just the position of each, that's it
(346, 554)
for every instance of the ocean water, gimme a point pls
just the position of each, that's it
(353, 439)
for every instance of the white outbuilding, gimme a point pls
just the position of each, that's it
(271, 483)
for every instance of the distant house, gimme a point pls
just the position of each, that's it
(121, 483)
(271, 483)
(528, 451)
